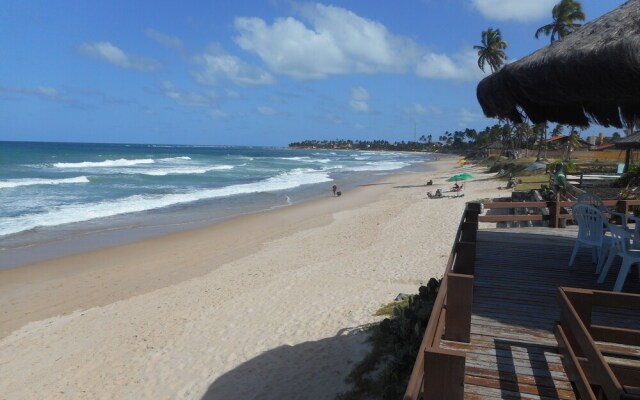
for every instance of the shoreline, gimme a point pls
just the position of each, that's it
(69, 239)
(188, 314)
(112, 261)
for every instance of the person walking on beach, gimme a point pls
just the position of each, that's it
(335, 189)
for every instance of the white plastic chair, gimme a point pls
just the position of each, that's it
(594, 200)
(591, 229)
(620, 239)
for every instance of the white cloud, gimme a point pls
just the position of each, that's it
(466, 117)
(359, 99)
(463, 66)
(232, 94)
(264, 110)
(419, 109)
(43, 92)
(337, 42)
(189, 99)
(113, 55)
(218, 114)
(333, 40)
(504, 10)
(217, 64)
(165, 40)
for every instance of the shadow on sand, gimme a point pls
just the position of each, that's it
(295, 372)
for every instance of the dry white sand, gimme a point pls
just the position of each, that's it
(267, 306)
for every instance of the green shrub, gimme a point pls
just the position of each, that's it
(631, 177)
(569, 166)
(384, 372)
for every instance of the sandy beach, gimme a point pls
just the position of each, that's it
(266, 306)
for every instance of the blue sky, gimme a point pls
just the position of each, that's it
(252, 72)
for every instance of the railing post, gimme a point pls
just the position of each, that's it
(469, 226)
(623, 207)
(554, 213)
(443, 374)
(469, 232)
(472, 211)
(582, 302)
(459, 304)
(464, 262)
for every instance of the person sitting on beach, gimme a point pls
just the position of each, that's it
(456, 186)
(429, 182)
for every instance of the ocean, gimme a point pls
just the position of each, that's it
(61, 198)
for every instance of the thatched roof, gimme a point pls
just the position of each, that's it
(590, 76)
(565, 138)
(628, 142)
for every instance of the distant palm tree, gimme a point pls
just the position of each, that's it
(541, 129)
(573, 143)
(564, 16)
(491, 51)
(558, 130)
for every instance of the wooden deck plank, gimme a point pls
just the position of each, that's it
(513, 353)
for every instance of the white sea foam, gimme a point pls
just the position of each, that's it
(182, 170)
(378, 166)
(12, 183)
(308, 159)
(139, 203)
(106, 163)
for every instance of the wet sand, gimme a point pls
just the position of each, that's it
(268, 305)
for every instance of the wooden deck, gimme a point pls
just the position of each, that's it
(513, 353)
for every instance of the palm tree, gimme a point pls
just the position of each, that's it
(541, 129)
(492, 50)
(573, 142)
(558, 130)
(564, 15)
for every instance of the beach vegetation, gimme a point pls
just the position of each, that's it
(395, 341)
(569, 166)
(389, 309)
(491, 50)
(348, 144)
(564, 16)
(630, 178)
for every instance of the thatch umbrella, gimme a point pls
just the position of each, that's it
(590, 76)
(628, 143)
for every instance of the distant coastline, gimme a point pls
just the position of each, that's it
(363, 145)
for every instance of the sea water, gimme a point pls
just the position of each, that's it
(61, 198)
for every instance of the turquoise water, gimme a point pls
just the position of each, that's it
(53, 192)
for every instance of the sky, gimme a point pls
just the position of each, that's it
(251, 72)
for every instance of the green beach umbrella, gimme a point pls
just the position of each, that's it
(460, 177)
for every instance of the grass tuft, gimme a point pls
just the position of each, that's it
(395, 341)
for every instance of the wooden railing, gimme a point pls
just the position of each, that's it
(582, 344)
(582, 179)
(550, 211)
(439, 373)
